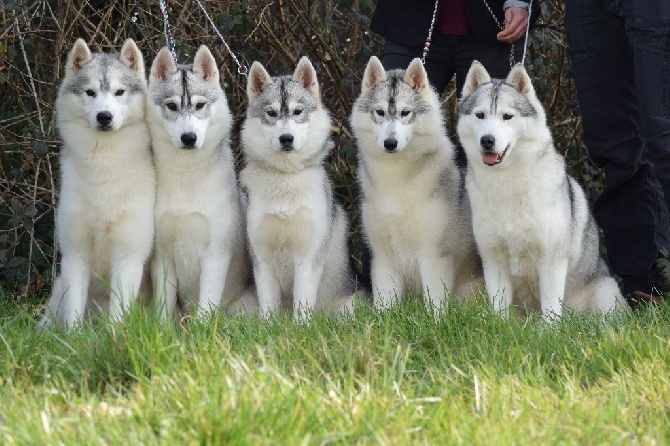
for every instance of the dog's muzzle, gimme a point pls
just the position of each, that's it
(489, 156)
(286, 141)
(104, 119)
(189, 139)
(390, 145)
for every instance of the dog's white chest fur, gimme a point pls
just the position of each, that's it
(286, 213)
(184, 233)
(517, 226)
(104, 195)
(188, 204)
(405, 223)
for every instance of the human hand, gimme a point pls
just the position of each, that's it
(516, 20)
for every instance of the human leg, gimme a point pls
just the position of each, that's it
(647, 24)
(495, 56)
(439, 66)
(631, 211)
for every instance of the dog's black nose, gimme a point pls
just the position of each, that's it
(390, 144)
(189, 139)
(104, 118)
(488, 142)
(286, 140)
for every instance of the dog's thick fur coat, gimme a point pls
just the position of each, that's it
(537, 238)
(104, 218)
(416, 217)
(200, 245)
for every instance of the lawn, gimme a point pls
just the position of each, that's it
(397, 377)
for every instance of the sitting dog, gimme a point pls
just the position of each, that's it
(535, 233)
(297, 232)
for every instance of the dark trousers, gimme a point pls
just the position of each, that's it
(451, 55)
(620, 54)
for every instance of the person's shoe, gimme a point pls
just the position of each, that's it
(639, 299)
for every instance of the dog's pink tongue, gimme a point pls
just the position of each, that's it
(490, 158)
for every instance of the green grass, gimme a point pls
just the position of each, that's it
(397, 377)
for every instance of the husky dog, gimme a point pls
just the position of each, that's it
(200, 246)
(104, 220)
(536, 236)
(297, 233)
(416, 217)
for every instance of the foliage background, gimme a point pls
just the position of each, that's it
(35, 37)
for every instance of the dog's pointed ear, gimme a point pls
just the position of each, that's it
(131, 56)
(204, 65)
(416, 77)
(162, 67)
(78, 56)
(305, 75)
(519, 79)
(374, 75)
(257, 80)
(476, 77)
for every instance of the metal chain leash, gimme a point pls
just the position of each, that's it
(495, 19)
(426, 46)
(501, 26)
(167, 30)
(133, 19)
(241, 69)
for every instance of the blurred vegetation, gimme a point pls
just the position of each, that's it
(35, 37)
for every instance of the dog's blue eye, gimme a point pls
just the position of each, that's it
(380, 112)
(507, 117)
(297, 111)
(90, 93)
(272, 113)
(405, 113)
(479, 115)
(199, 105)
(119, 92)
(171, 106)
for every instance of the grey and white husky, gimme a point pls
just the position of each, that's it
(200, 245)
(297, 232)
(416, 216)
(534, 230)
(104, 218)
